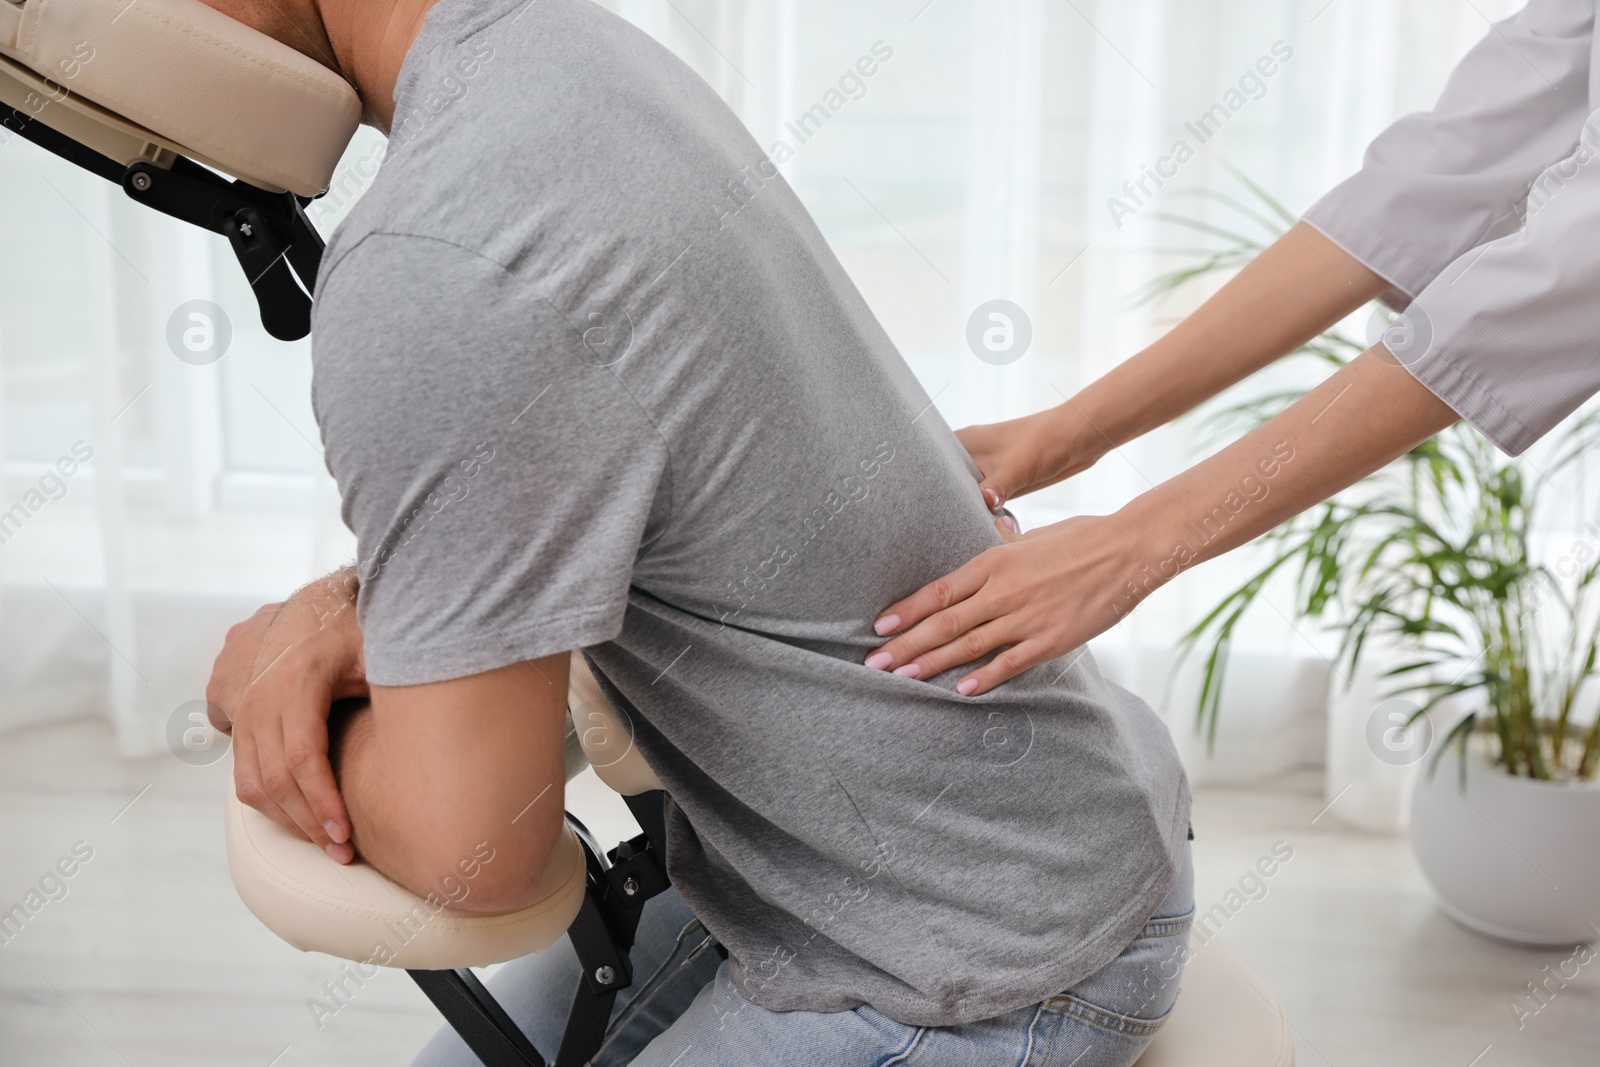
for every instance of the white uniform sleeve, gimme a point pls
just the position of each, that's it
(1509, 335)
(1438, 183)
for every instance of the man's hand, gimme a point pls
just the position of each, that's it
(235, 666)
(273, 684)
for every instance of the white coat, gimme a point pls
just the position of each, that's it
(1484, 216)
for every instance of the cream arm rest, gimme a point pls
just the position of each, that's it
(355, 913)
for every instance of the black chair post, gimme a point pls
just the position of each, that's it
(618, 885)
(480, 1020)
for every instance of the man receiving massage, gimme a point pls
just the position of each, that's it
(572, 403)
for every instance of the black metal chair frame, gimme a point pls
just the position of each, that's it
(619, 882)
(275, 243)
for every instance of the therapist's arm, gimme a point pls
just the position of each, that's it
(1294, 290)
(457, 788)
(1434, 185)
(1052, 590)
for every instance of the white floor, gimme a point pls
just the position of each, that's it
(151, 960)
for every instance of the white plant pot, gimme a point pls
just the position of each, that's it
(1512, 858)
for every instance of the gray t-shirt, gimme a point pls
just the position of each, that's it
(574, 400)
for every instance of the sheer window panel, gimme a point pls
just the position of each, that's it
(980, 160)
(114, 592)
(41, 283)
(266, 388)
(976, 164)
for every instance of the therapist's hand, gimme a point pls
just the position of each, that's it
(1019, 456)
(1057, 587)
(272, 688)
(1042, 594)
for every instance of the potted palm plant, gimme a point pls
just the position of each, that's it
(1442, 555)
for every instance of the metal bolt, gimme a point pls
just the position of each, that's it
(141, 182)
(605, 975)
(245, 229)
(630, 887)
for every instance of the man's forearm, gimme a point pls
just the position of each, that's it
(1362, 418)
(455, 789)
(1294, 290)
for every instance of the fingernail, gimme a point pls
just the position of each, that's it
(879, 660)
(1008, 522)
(992, 495)
(967, 687)
(335, 831)
(335, 852)
(910, 670)
(887, 625)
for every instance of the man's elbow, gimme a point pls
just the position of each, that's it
(475, 873)
(453, 846)
(506, 879)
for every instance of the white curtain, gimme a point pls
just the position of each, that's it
(975, 163)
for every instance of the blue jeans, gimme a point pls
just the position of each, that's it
(697, 1018)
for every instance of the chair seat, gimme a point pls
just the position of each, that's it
(134, 80)
(1225, 1017)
